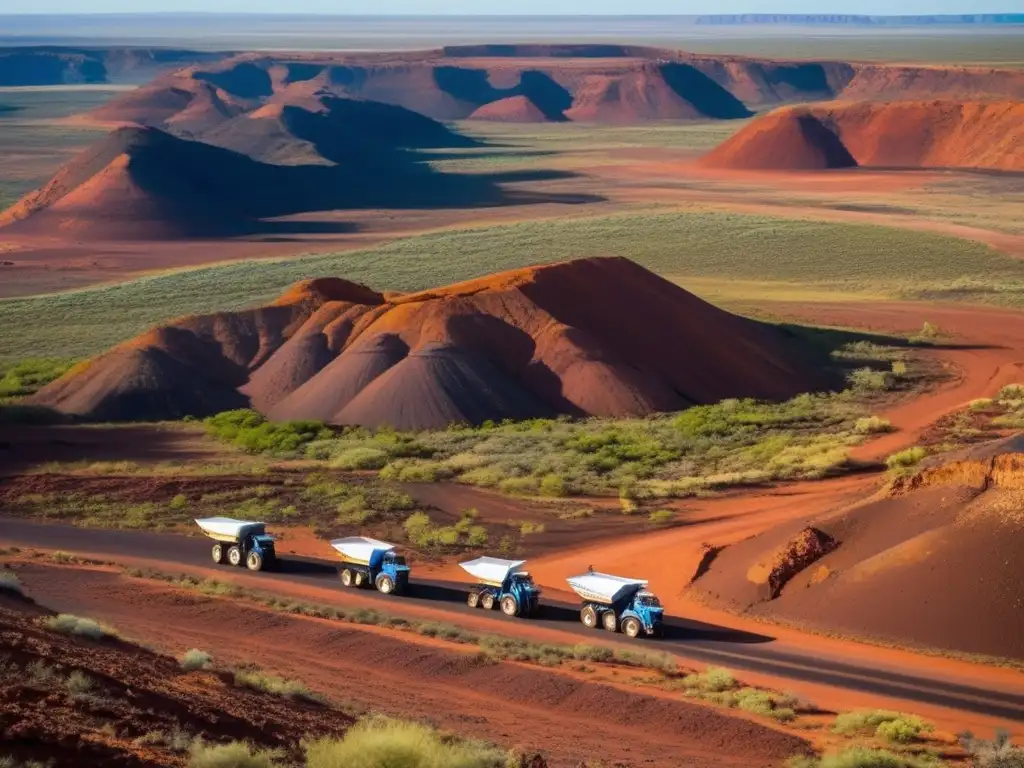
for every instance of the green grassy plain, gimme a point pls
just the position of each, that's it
(717, 248)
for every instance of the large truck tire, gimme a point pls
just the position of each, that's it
(610, 621)
(235, 554)
(385, 584)
(218, 554)
(346, 577)
(509, 606)
(473, 599)
(360, 578)
(588, 616)
(254, 562)
(487, 602)
(631, 627)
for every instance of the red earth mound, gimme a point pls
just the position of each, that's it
(933, 134)
(514, 109)
(934, 562)
(610, 83)
(513, 345)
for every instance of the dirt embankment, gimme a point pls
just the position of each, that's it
(926, 134)
(930, 562)
(413, 677)
(69, 701)
(515, 345)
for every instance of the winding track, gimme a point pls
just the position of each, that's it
(703, 642)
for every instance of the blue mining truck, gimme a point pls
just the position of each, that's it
(502, 583)
(616, 603)
(240, 542)
(368, 561)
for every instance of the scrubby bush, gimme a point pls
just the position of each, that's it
(237, 754)
(870, 425)
(360, 458)
(28, 376)
(378, 742)
(251, 432)
(477, 536)
(711, 680)
(179, 502)
(258, 680)
(194, 659)
(552, 485)
(997, 753)
(78, 683)
(661, 516)
(885, 724)
(68, 624)
(870, 380)
(906, 459)
(529, 527)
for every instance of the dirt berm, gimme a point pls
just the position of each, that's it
(601, 337)
(932, 561)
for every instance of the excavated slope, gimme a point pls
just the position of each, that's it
(931, 134)
(934, 562)
(603, 337)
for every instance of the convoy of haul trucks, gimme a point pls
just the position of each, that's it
(612, 602)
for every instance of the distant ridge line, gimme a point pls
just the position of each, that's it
(855, 20)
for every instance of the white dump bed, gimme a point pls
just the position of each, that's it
(603, 587)
(359, 549)
(491, 570)
(224, 528)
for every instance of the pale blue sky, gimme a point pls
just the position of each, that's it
(516, 6)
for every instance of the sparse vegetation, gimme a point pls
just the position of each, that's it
(871, 425)
(248, 430)
(69, 624)
(863, 757)
(236, 754)
(194, 659)
(378, 742)
(906, 459)
(26, 377)
(886, 725)
(258, 680)
(997, 753)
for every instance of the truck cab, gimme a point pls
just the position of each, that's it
(367, 561)
(645, 608)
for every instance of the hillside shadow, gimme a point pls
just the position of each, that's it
(246, 80)
(702, 92)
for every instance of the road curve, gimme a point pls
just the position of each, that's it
(703, 642)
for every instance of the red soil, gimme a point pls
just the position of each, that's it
(408, 676)
(514, 109)
(511, 345)
(937, 134)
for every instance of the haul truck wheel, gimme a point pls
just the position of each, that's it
(631, 627)
(487, 601)
(508, 605)
(610, 621)
(235, 555)
(385, 584)
(346, 577)
(473, 599)
(589, 617)
(218, 554)
(254, 562)
(360, 578)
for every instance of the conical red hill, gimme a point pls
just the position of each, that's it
(602, 337)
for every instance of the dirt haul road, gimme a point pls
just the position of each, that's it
(700, 642)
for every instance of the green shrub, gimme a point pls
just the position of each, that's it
(360, 458)
(1011, 392)
(926, 335)
(552, 485)
(869, 380)
(10, 583)
(883, 723)
(416, 524)
(530, 527)
(257, 680)
(712, 680)
(194, 659)
(997, 753)
(518, 486)
(251, 432)
(981, 404)
(661, 516)
(906, 459)
(179, 502)
(477, 536)
(30, 375)
(68, 624)
(237, 754)
(870, 425)
(380, 743)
